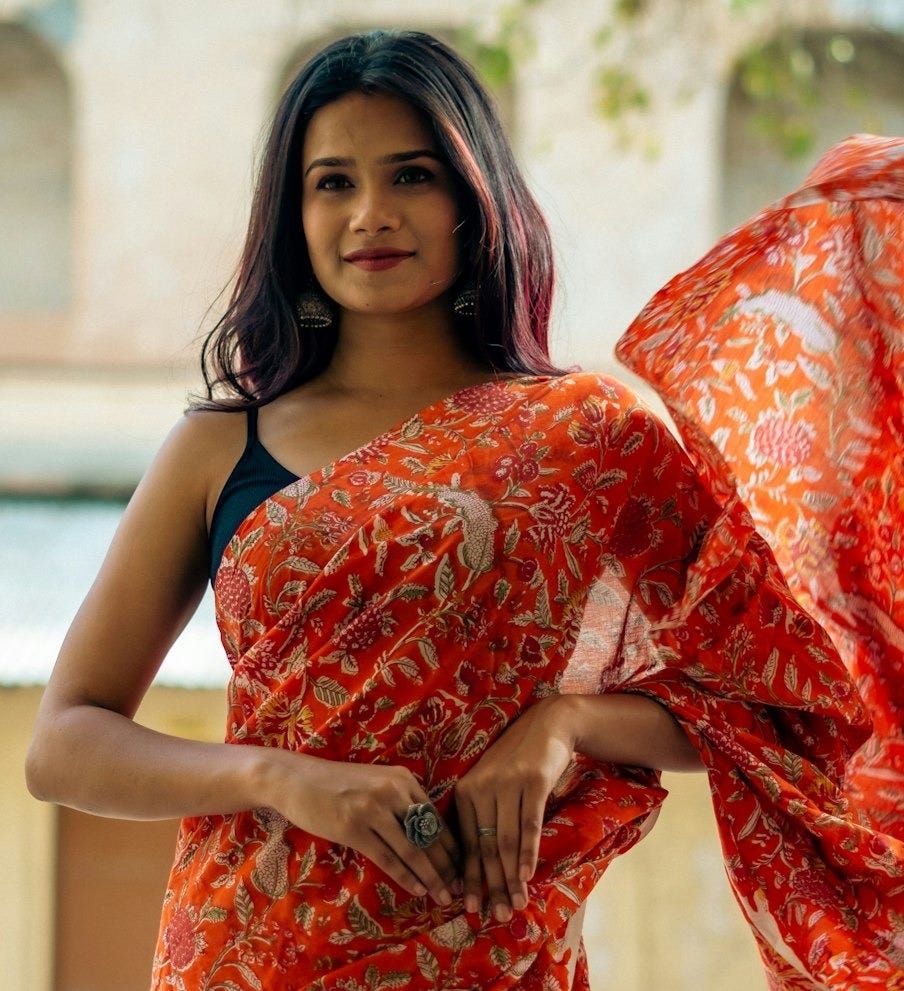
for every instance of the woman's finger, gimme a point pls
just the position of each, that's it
(508, 850)
(472, 870)
(381, 853)
(445, 857)
(489, 818)
(497, 889)
(533, 805)
(427, 865)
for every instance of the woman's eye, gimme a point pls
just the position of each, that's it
(413, 174)
(330, 182)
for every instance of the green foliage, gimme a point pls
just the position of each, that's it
(618, 91)
(782, 79)
(513, 40)
(781, 82)
(785, 80)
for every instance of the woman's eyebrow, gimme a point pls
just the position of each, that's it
(392, 159)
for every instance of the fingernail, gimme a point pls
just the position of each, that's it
(503, 913)
(519, 902)
(444, 898)
(524, 873)
(471, 903)
(419, 890)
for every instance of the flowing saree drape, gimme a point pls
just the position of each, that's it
(781, 356)
(405, 603)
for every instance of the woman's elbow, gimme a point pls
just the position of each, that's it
(37, 776)
(48, 759)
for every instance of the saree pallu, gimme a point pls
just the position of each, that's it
(405, 603)
(781, 357)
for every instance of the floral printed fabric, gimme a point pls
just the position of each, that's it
(781, 356)
(407, 602)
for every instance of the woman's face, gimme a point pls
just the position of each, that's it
(379, 209)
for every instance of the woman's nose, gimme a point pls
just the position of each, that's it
(374, 212)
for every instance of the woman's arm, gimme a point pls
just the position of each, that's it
(87, 752)
(625, 728)
(508, 787)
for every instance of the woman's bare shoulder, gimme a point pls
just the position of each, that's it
(201, 450)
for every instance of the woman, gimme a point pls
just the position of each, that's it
(459, 650)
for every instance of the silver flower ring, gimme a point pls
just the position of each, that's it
(423, 824)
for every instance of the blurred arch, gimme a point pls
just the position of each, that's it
(36, 125)
(790, 100)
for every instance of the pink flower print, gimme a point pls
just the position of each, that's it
(526, 416)
(412, 742)
(362, 478)
(332, 888)
(581, 434)
(487, 399)
(265, 660)
(363, 630)
(527, 570)
(474, 623)
(518, 926)
(586, 476)
(812, 884)
(331, 528)
(531, 651)
(363, 710)
(181, 940)
(553, 515)
(467, 678)
(233, 591)
(593, 409)
(634, 532)
(504, 467)
(523, 467)
(779, 439)
(372, 451)
(232, 858)
(841, 690)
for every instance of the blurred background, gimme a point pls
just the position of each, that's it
(128, 140)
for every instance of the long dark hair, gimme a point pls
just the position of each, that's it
(258, 350)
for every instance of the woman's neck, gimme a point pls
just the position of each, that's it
(400, 354)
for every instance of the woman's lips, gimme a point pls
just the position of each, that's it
(377, 259)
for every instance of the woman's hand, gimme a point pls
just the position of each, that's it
(506, 792)
(363, 806)
(501, 800)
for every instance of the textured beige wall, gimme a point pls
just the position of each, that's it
(27, 861)
(663, 917)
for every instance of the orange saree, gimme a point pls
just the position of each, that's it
(405, 603)
(781, 357)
